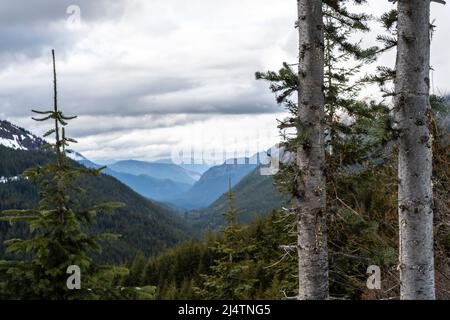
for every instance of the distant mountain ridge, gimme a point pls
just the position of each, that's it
(182, 196)
(156, 170)
(193, 165)
(153, 188)
(150, 180)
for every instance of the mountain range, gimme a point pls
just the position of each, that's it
(159, 189)
(175, 185)
(144, 225)
(155, 194)
(157, 170)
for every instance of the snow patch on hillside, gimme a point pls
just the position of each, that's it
(14, 143)
(9, 179)
(14, 137)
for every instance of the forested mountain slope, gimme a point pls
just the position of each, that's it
(143, 224)
(213, 183)
(156, 170)
(145, 185)
(255, 196)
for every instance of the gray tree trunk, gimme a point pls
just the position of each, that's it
(311, 194)
(415, 195)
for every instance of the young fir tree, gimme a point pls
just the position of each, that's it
(136, 270)
(57, 227)
(230, 276)
(346, 142)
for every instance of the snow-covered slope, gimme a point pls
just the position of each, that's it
(14, 137)
(9, 179)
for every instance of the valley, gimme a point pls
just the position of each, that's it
(165, 203)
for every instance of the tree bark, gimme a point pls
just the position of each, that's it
(311, 194)
(415, 195)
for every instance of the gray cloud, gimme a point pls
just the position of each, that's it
(27, 28)
(43, 12)
(87, 126)
(141, 73)
(181, 74)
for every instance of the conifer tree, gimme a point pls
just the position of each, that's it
(415, 191)
(409, 29)
(310, 207)
(136, 270)
(229, 277)
(58, 237)
(346, 142)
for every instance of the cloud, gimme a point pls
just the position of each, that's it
(253, 133)
(153, 66)
(23, 12)
(27, 29)
(151, 59)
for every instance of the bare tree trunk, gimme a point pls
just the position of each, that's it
(415, 195)
(311, 194)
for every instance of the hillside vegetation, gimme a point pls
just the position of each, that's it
(143, 225)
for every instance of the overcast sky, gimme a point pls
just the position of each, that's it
(147, 77)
